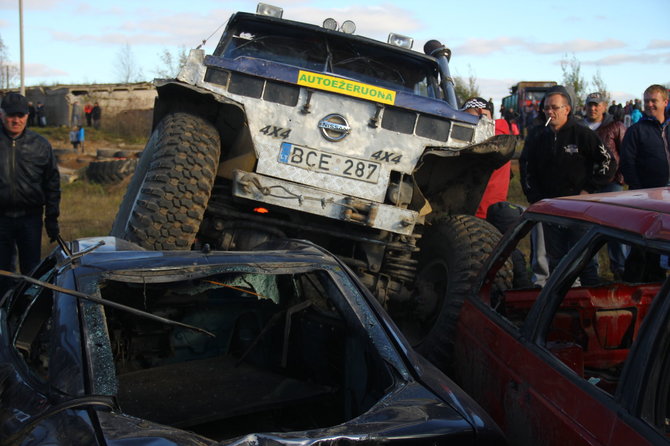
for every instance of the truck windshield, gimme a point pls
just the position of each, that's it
(321, 52)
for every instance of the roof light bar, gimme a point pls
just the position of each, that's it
(272, 11)
(348, 27)
(400, 40)
(330, 24)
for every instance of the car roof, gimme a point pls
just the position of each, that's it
(283, 22)
(642, 211)
(116, 254)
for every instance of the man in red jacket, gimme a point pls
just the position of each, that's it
(498, 185)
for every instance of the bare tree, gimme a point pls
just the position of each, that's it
(573, 79)
(8, 71)
(466, 88)
(127, 68)
(599, 85)
(171, 63)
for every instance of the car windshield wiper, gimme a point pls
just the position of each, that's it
(104, 302)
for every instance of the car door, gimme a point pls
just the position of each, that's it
(546, 362)
(42, 396)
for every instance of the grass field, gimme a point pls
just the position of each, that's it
(87, 210)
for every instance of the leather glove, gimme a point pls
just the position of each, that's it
(51, 225)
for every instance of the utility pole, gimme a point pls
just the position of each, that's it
(23, 84)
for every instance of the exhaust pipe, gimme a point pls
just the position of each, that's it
(443, 54)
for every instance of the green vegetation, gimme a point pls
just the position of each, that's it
(87, 210)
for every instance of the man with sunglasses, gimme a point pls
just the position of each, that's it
(564, 158)
(29, 188)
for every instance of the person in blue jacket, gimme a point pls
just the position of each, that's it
(645, 163)
(644, 150)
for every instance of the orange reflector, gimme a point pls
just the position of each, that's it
(261, 211)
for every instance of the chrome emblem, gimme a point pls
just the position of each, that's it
(334, 127)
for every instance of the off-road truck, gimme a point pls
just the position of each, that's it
(294, 130)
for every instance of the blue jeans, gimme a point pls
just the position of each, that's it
(22, 235)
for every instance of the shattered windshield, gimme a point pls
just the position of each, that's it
(282, 345)
(342, 56)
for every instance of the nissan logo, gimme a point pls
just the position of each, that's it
(334, 127)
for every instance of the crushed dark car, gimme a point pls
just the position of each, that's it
(110, 344)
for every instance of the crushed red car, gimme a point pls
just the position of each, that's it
(566, 359)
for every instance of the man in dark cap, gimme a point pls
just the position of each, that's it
(611, 132)
(29, 188)
(564, 158)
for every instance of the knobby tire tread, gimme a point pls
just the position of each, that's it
(110, 171)
(463, 242)
(165, 209)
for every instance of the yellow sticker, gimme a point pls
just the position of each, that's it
(344, 86)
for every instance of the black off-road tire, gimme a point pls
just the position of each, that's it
(110, 171)
(106, 153)
(453, 251)
(127, 154)
(166, 199)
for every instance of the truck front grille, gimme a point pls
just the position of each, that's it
(393, 119)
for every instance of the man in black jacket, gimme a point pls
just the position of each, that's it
(29, 188)
(564, 158)
(645, 163)
(644, 151)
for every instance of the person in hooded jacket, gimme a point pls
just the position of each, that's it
(565, 158)
(29, 188)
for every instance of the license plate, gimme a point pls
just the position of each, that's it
(329, 163)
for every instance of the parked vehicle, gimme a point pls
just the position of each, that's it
(570, 364)
(114, 345)
(294, 130)
(524, 100)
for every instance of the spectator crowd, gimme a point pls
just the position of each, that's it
(570, 150)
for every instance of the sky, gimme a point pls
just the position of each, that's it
(498, 43)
